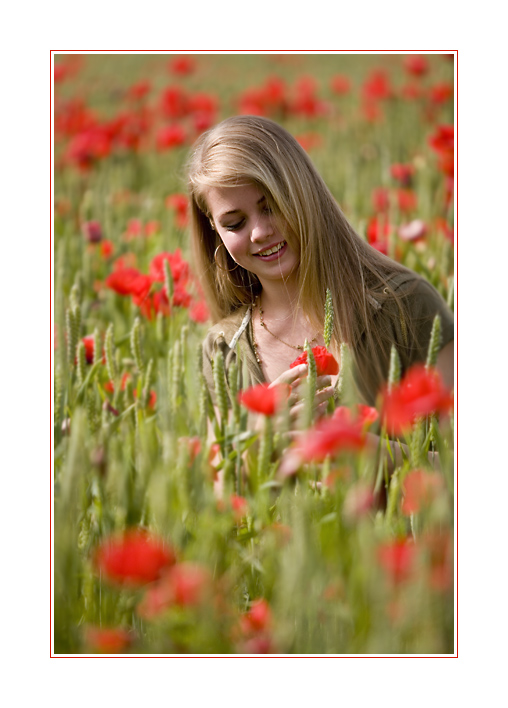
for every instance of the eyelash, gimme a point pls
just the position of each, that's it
(236, 227)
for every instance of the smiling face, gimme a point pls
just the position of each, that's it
(252, 234)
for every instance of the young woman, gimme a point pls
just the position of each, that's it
(269, 239)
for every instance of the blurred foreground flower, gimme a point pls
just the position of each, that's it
(420, 393)
(133, 558)
(185, 585)
(264, 398)
(397, 558)
(107, 640)
(420, 488)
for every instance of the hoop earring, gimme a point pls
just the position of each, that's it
(226, 270)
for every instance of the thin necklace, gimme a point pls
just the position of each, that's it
(298, 347)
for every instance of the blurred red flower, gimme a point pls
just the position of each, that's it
(264, 398)
(179, 203)
(170, 136)
(161, 303)
(378, 230)
(419, 393)
(406, 200)
(440, 93)
(86, 148)
(442, 142)
(402, 173)
(199, 312)
(122, 280)
(377, 86)
(139, 90)
(416, 64)
(331, 436)
(340, 84)
(133, 558)
(326, 364)
(107, 640)
(397, 558)
(439, 551)
(257, 619)
(419, 489)
(92, 231)
(106, 248)
(358, 501)
(173, 102)
(309, 140)
(89, 343)
(380, 198)
(184, 585)
(182, 66)
(178, 266)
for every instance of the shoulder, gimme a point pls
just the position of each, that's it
(223, 333)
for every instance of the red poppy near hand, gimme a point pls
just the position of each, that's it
(326, 364)
(264, 399)
(420, 393)
(332, 436)
(133, 558)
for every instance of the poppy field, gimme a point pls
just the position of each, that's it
(338, 541)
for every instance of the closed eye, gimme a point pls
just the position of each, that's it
(234, 227)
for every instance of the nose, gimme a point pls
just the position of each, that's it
(262, 228)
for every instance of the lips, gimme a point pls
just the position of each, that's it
(271, 250)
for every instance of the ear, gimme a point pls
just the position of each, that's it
(212, 225)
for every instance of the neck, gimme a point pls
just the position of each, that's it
(280, 299)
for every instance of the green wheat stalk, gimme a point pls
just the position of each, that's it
(219, 379)
(135, 341)
(434, 343)
(328, 328)
(395, 370)
(308, 412)
(109, 350)
(81, 363)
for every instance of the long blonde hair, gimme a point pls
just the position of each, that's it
(254, 150)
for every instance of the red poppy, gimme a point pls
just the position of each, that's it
(406, 200)
(377, 86)
(170, 136)
(309, 140)
(326, 364)
(86, 148)
(340, 84)
(239, 505)
(152, 227)
(89, 343)
(440, 93)
(402, 173)
(411, 91)
(133, 558)
(420, 393)
(181, 298)
(174, 102)
(380, 199)
(92, 231)
(107, 640)
(179, 203)
(184, 585)
(258, 618)
(161, 303)
(199, 312)
(106, 248)
(121, 280)
(178, 266)
(139, 90)
(331, 436)
(264, 398)
(419, 489)
(416, 64)
(152, 400)
(439, 550)
(397, 558)
(182, 66)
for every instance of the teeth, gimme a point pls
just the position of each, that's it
(272, 250)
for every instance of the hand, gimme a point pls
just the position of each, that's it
(295, 377)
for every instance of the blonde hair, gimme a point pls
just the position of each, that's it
(254, 150)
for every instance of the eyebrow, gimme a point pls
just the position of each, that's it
(235, 211)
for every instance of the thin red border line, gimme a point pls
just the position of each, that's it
(248, 51)
(50, 355)
(456, 346)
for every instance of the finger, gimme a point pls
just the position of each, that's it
(323, 382)
(290, 376)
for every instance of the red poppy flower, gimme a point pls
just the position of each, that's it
(106, 248)
(174, 102)
(133, 558)
(332, 436)
(419, 489)
(380, 199)
(440, 93)
(340, 84)
(170, 136)
(406, 199)
(92, 231)
(107, 640)
(161, 303)
(121, 280)
(420, 393)
(264, 399)
(139, 90)
(182, 66)
(184, 585)
(397, 558)
(199, 312)
(358, 501)
(178, 266)
(402, 173)
(326, 364)
(438, 547)
(89, 343)
(180, 205)
(258, 618)
(377, 86)
(416, 64)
